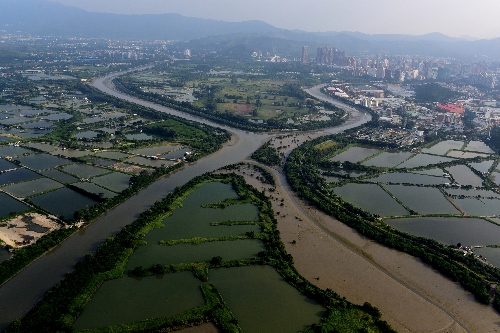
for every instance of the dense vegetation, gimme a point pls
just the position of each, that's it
(433, 92)
(301, 172)
(495, 138)
(65, 301)
(267, 154)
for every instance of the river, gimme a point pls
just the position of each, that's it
(19, 294)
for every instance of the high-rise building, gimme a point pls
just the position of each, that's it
(305, 54)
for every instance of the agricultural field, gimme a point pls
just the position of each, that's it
(258, 94)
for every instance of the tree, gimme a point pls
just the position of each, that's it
(216, 261)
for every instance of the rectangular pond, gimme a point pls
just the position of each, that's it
(423, 200)
(42, 161)
(4, 254)
(94, 189)
(371, 198)
(152, 253)
(388, 159)
(495, 176)
(472, 193)
(442, 147)
(115, 181)
(431, 172)
(464, 176)
(421, 160)
(479, 207)
(450, 230)
(462, 154)
(32, 187)
(6, 165)
(149, 162)
(10, 205)
(355, 154)
(63, 202)
(138, 136)
(114, 155)
(84, 170)
(262, 301)
(70, 152)
(480, 147)
(483, 167)
(18, 175)
(491, 254)
(153, 151)
(60, 176)
(408, 178)
(191, 220)
(42, 146)
(127, 300)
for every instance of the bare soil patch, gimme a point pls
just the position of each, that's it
(244, 109)
(15, 232)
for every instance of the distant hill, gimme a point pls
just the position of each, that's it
(45, 18)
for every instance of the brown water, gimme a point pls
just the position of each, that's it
(32, 283)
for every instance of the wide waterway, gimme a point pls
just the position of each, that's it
(20, 293)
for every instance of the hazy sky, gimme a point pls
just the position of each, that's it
(478, 18)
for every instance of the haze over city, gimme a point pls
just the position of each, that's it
(456, 18)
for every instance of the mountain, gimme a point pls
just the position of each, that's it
(45, 18)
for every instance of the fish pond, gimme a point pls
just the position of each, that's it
(149, 162)
(258, 296)
(423, 200)
(450, 230)
(4, 254)
(94, 189)
(408, 178)
(17, 175)
(6, 165)
(127, 300)
(483, 167)
(153, 151)
(480, 147)
(479, 207)
(113, 155)
(464, 176)
(32, 187)
(150, 254)
(63, 202)
(10, 205)
(388, 159)
(491, 254)
(443, 147)
(84, 171)
(355, 154)
(421, 160)
(60, 176)
(115, 181)
(42, 161)
(371, 198)
(262, 301)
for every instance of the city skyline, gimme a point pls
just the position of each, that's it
(455, 18)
